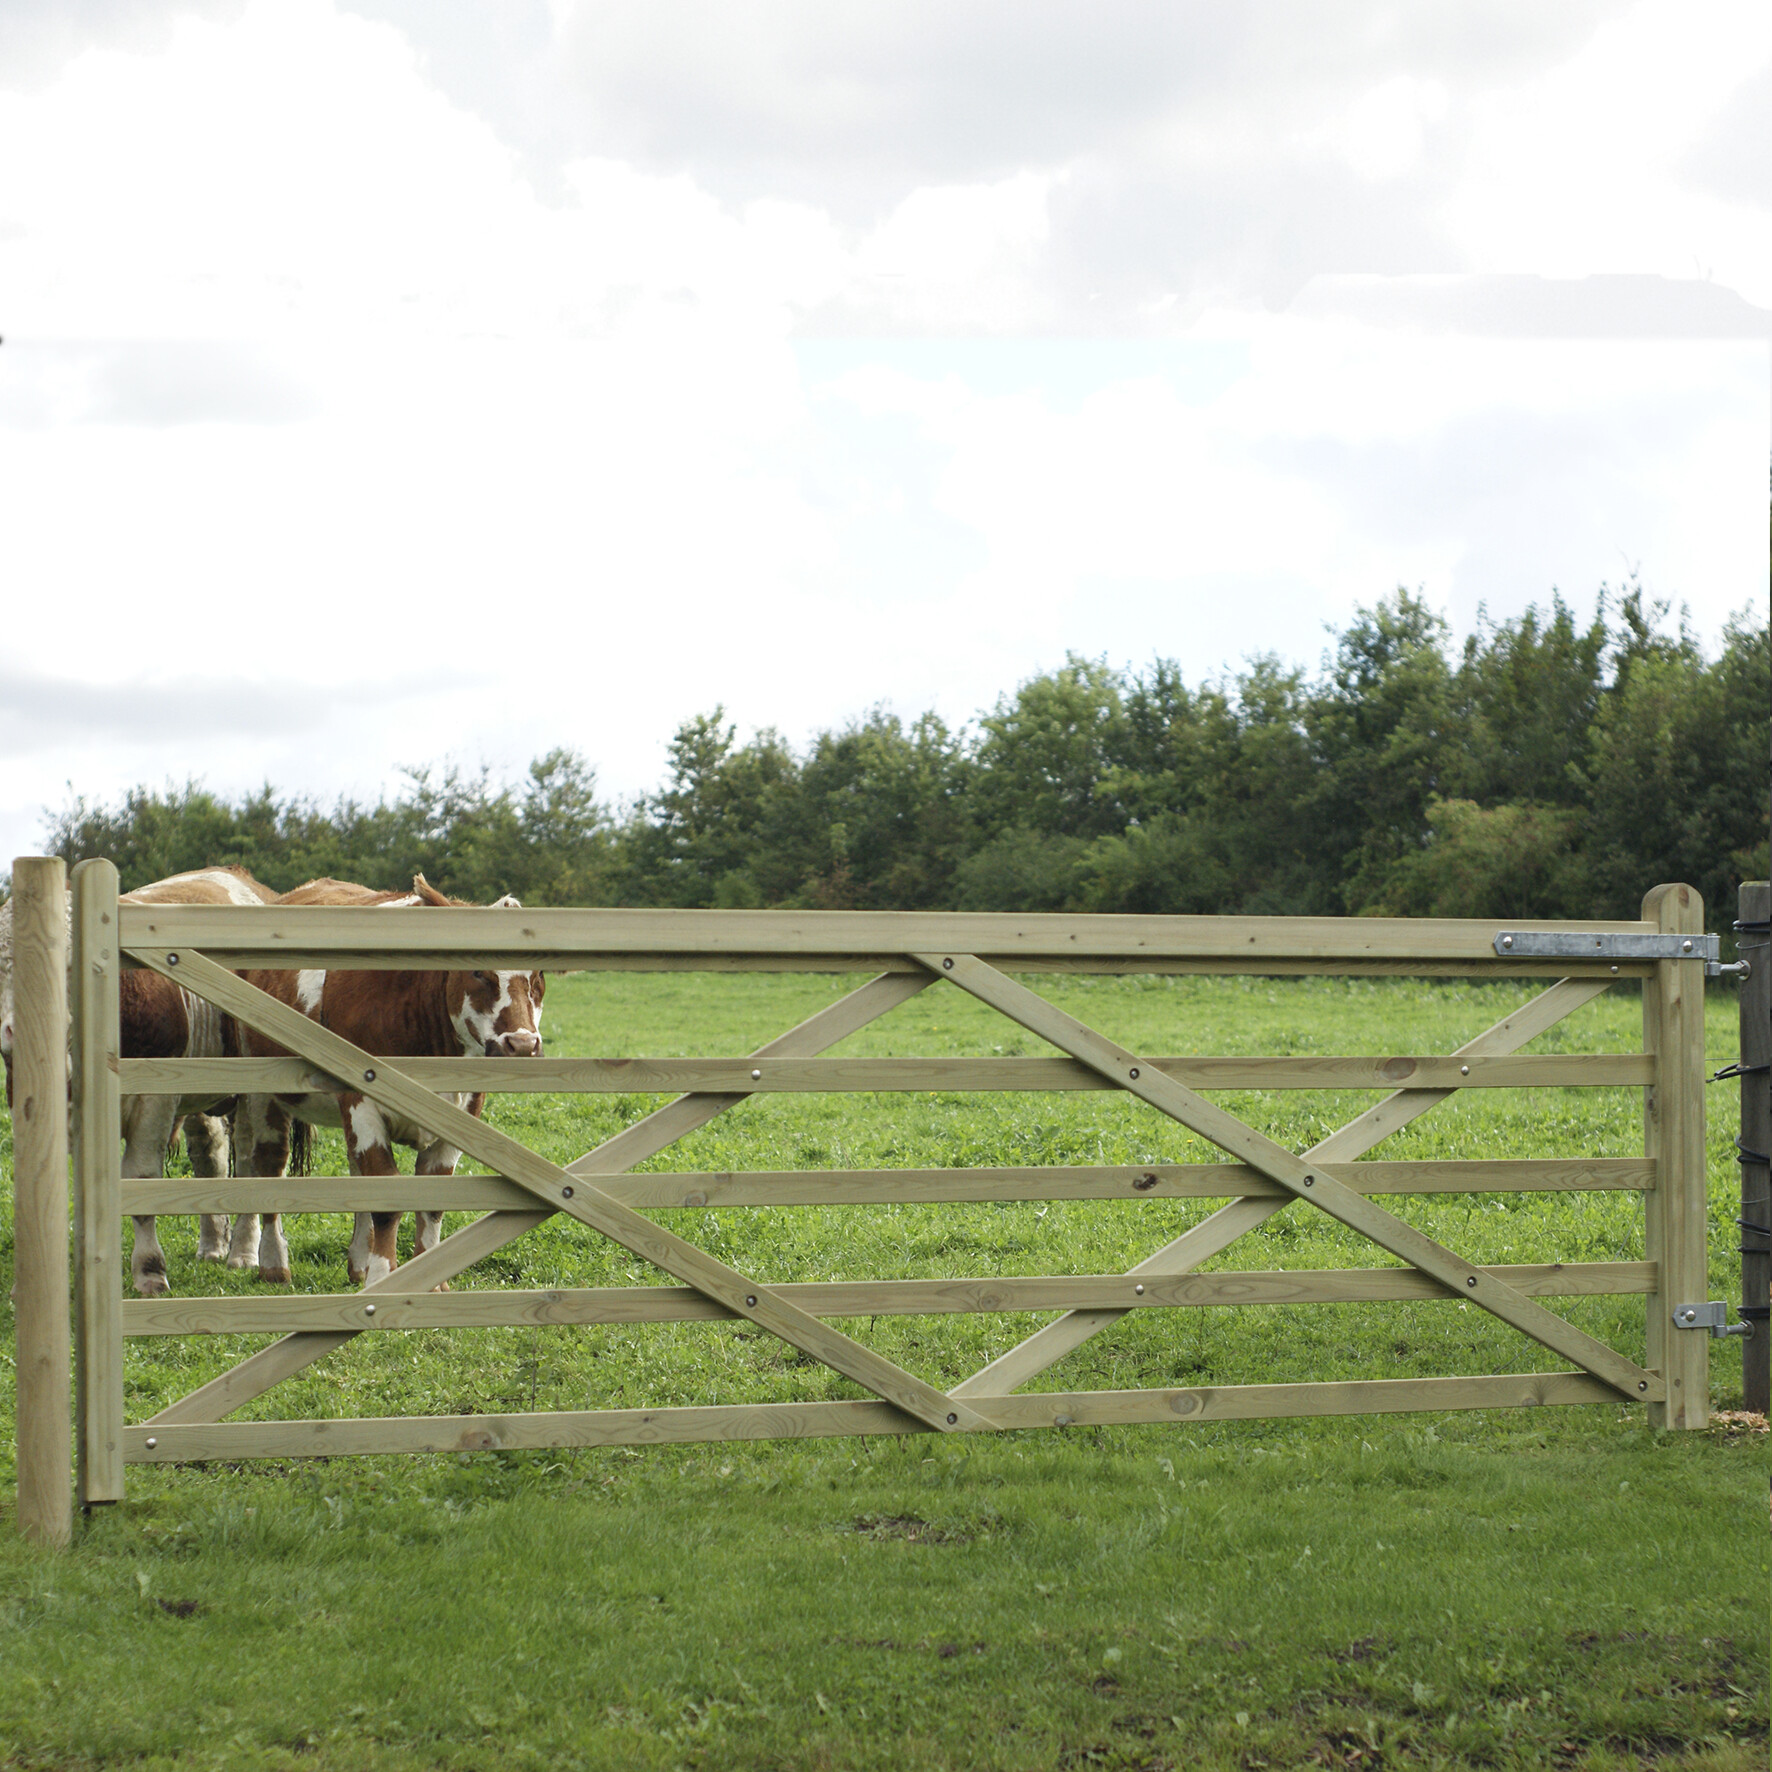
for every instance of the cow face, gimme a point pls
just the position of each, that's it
(497, 1014)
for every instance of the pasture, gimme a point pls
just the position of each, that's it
(1522, 1588)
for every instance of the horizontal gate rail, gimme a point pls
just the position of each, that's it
(358, 938)
(674, 1076)
(855, 1298)
(156, 1442)
(692, 1188)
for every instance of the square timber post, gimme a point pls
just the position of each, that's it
(1673, 1116)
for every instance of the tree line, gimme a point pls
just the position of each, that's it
(1549, 767)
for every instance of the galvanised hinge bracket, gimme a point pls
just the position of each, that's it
(1713, 1316)
(1526, 944)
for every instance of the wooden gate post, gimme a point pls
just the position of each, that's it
(1673, 1115)
(98, 1187)
(1756, 1142)
(40, 1195)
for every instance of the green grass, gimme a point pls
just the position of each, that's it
(1517, 1589)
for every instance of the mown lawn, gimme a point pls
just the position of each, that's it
(1543, 1588)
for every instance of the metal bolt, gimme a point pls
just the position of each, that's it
(756, 1076)
(1642, 1384)
(369, 1076)
(1507, 941)
(952, 1419)
(1133, 1072)
(152, 1442)
(1471, 1281)
(947, 965)
(1689, 1315)
(369, 1310)
(1614, 968)
(1138, 1291)
(566, 1193)
(1310, 1181)
(1685, 947)
(172, 959)
(1464, 1070)
(750, 1299)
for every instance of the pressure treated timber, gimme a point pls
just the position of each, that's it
(693, 1188)
(1673, 1122)
(1495, 970)
(98, 1242)
(283, 1315)
(485, 1236)
(672, 1076)
(379, 1079)
(40, 1198)
(1294, 1173)
(183, 1443)
(324, 935)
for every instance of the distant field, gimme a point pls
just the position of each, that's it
(1521, 1588)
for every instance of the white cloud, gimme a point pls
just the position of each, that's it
(379, 415)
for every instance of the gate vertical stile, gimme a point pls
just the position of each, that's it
(1674, 1232)
(96, 973)
(40, 1196)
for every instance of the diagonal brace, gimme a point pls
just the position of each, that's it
(1214, 1234)
(1300, 1178)
(553, 1186)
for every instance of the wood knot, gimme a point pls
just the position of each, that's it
(1395, 1070)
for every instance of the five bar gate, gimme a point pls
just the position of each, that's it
(907, 952)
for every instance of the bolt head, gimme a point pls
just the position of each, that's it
(369, 1076)
(750, 1300)
(152, 1442)
(947, 965)
(1133, 1072)
(1139, 1291)
(566, 1193)
(756, 1076)
(952, 1419)
(369, 1310)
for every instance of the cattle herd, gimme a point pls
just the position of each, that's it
(392, 1014)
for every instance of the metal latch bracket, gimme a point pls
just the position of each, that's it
(1713, 1316)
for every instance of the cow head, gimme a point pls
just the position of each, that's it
(497, 1014)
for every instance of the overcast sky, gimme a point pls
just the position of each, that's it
(421, 379)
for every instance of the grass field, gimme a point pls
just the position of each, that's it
(1517, 1589)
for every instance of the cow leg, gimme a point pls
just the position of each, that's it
(371, 1151)
(434, 1159)
(261, 1149)
(357, 1256)
(148, 1123)
(206, 1144)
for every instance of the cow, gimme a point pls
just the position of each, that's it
(159, 1020)
(471, 1014)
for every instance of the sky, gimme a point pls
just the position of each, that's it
(394, 382)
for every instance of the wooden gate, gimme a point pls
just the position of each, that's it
(908, 952)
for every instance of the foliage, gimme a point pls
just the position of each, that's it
(1551, 768)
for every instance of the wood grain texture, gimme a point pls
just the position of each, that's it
(693, 1188)
(670, 1076)
(284, 935)
(40, 1198)
(278, 1315)
(98, 1208)
(1673, 1115)
(175, 1443)
(459, 1252)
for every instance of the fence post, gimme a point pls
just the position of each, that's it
(1756, 1142)
(98, 1202)
(1674, 1235)
(40, 1195)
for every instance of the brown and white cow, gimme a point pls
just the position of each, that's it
(159, 1020)
(393, 1015)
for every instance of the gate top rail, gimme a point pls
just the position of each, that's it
(363, 937)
